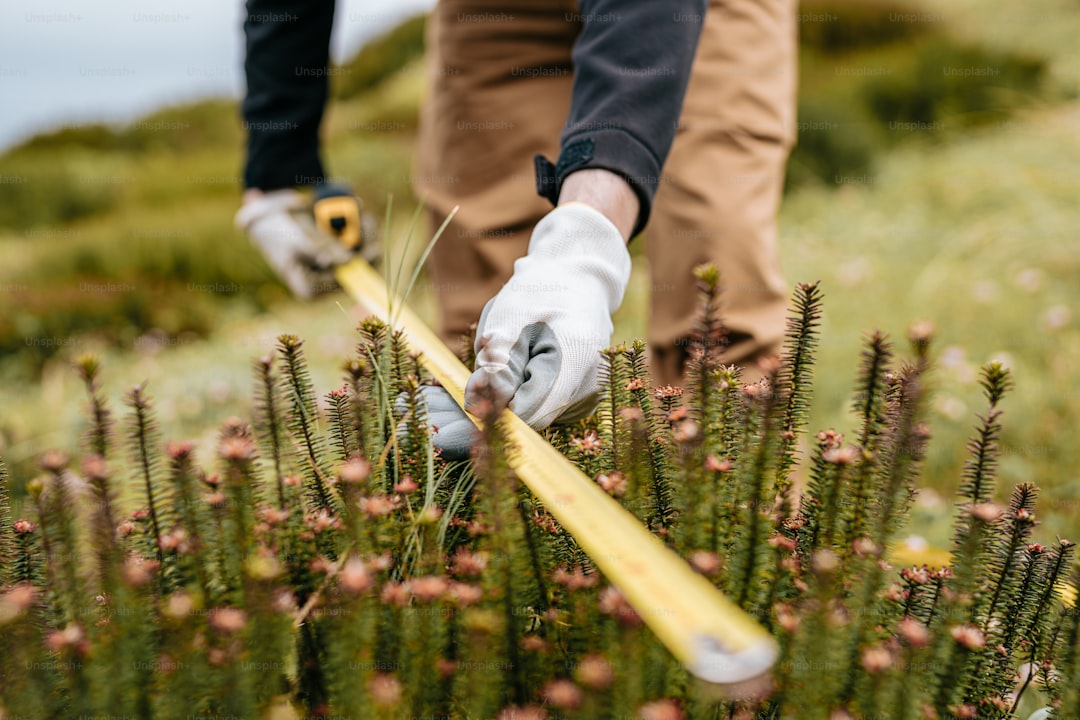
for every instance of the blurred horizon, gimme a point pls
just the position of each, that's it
(64, 64)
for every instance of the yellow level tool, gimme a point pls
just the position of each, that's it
(699, 625)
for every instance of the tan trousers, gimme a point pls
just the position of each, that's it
(501, 78)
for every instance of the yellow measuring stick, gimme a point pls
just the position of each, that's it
(698, 624)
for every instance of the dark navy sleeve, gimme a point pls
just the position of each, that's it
(288, 50)
(631, 68)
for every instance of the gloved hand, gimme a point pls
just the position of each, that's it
(539, 339)
(281, 225)
(452, 430)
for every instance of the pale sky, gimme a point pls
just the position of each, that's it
(70, 61)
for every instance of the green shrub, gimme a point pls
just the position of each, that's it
(874, 75)
(328, 559)
(380, 58)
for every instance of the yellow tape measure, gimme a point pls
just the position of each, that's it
(698, 624)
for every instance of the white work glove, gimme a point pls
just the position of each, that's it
(281, 225)
(539, 339)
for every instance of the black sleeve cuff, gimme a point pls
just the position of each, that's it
(608, 149)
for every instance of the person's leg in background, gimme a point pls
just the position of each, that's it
(287, 50)
(722, 186)
(500, 83)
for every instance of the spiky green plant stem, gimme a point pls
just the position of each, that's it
(870, 406)
(303, 420)
(142, 436)
(796, 375)
(268, 420)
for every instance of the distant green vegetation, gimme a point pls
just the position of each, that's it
(875, 74)
(380, 58)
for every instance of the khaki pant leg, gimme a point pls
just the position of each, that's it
(501, 79)
(722, 186)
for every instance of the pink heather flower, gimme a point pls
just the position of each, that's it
(354, 576)
(293, 481)
(53, 461)
(15, 601)
(575, 579)
(94, 467)
(759, 389)
(705, 563)
(612, 602)
(969, 637)
(631, 414)
(595, 672)
(322, 520)
(830, 439)
(613, 483)
(70, 636)
(179, 605)
(786, 618)
(563, 694)
(876, 659)
(668, 391)
(216, 499)
(179, 449)
(227, 620)
(445, 668)
(175, 540)
(355, 471)
(986, 512)
(660, 710)
(782, 542)
(677, 414)
(966, 711)
(534, 643)
(916, 575)
(385, 690)
(395, 593)
(715, 464)
(429, 587)
(283, 602)
(138, 571)
(273, 516)
(23, 527)
(406, 485)
(686, 431)
(913, 632)
(921, 331)
(321, 564)
(865, 547)
(824, 561)
(466, 594)
(841, 455)
(634, 384)
(590, 444)
(469, 564)
(896, 593)
(377, 505)
(237, 449)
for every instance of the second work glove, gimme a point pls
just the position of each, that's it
(539, 339)
(280, 223)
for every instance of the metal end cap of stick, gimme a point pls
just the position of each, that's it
(715, 663)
